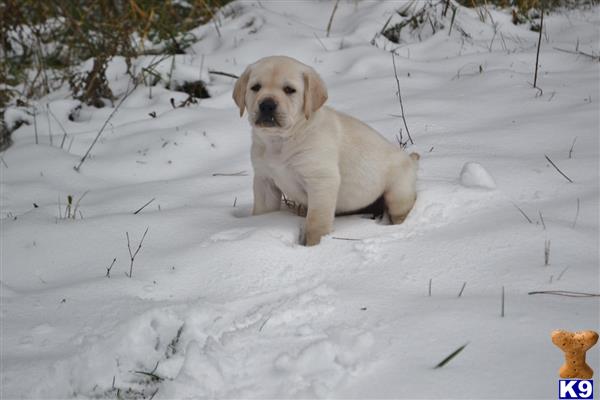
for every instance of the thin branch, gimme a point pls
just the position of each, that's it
(133, 254)
(87, 153)
(400, 99)
(108, 273)
(223, 74)
(554, 165)
(542, 219)
(566, 293)
(537, 56)
(429, 291)
(454, 9)
(446, 8)
(320, 42)
(579, 52)
(331, 18)
(264, 322)
(561, 273)
(523, 213)
(153, 394)
(240, 173)
(576, 213)
(462, 289)
(377, 34)
(35, 129)
(151, 375)
(571, 149)
(62, 142)
(79, 201)
(144, 206)
(451, 356)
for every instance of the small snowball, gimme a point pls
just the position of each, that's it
(474, 175)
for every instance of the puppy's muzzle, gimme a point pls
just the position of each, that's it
(267, 115)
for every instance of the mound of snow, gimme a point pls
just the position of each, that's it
(474, 175)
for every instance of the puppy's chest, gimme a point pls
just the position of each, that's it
(286, 178)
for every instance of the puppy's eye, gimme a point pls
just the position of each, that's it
(256, 87)
(289, 90)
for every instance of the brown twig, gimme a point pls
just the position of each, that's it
(561, 273)
(144, 206)
(151, 374)
(579, 52)
(537, 56)
(131, 254)
(571, 149)
(446, 8)
(320, 42)
(108, 274)
(523, 213)
(153, 394)
(451, 356)
(400, 99)
(554, 165)
(223, 74)
(87, 153)
(77, 203)
(331, 18)
(542, 219)
(454, 9)
(240, 173)
(566, 293)
(377, 34)
(576, 213)
(35, 129)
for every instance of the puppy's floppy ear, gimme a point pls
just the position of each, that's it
(315, 92)
(239, 90)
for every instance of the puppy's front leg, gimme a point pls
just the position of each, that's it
(322, 199)
(267, 197)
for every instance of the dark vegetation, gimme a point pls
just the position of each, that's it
(430, 16)
(42, 43)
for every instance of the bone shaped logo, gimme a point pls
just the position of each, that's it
(574, 345)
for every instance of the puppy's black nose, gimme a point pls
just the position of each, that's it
(267, 106)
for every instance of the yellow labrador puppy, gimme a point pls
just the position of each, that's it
(325, 160)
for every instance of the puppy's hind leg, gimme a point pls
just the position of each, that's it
(401, 194)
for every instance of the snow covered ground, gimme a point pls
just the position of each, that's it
(223, 304)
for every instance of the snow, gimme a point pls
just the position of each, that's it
(224, 304)
(474, 175)
(13, 116)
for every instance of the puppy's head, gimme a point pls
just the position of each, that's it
(278, 92)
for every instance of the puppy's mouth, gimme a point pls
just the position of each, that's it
(267, 121)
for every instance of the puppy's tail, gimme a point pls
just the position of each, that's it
(415, 157)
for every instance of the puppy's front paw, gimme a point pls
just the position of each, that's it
(312, 239)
